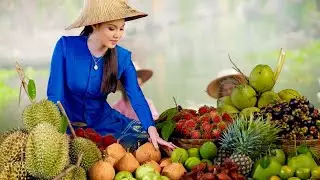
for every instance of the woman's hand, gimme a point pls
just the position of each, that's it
(156, 139)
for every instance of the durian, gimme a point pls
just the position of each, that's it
(42, 111)
(14, 171)
(13, 147)
(91, 152)
(78, 173)
(47, 152)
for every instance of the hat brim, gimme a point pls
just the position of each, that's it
(214, 86)
(143, 74)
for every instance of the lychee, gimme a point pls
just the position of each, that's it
(216, 133)
(226, 117)
(206, 127)
(203, 110)
(195, 134)
(190, 124)
(206, 135)
(217, 119)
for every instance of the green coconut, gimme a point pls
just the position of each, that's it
(230, 109)
(243, 96)
(288, 94)
(226, 100)
(267, 98)
(262, 78)
(248, 111)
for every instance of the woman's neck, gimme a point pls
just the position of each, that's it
(124, 96)
(95, 46)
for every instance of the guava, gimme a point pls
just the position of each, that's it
(191, 162)
(286, 172)
(315, 173)
(243, 96)
(303, 173)
(179, 155)
(151, 176)
(123, 175)
(288, 94)
(142, 170)
(164, 178)
(194, 152)
(262, 78)
(267, 98)
(208, 150)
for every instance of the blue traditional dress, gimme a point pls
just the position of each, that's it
(76, 84)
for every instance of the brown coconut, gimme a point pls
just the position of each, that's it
(147, 152)
(155, 165)
(116, 151)
(165, 162)
(127, 163)
(112, 161)
(174, 171)
(101, 170)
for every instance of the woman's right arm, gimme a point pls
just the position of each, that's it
(55, 89)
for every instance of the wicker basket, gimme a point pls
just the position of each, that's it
(289, 145)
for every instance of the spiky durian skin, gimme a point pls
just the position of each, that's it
(77, 173)
(14, 171)
(13, 147)
(91, 152)
(42, 111)
(47, 151)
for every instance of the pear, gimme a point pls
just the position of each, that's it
(101, 170)
(127, 163)
(174, 171)
(147, 152)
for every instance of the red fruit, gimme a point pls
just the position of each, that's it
(206, 135)
(187, 116)
(205, 119)
(80, 132)
(217, 119)
(226, 117)
(222, 126)
(190, 124)
(197, 119)
(203, 110)
(195, 134)
(185, 131)
(216, 133)
(95, 137)
(206, 127)
(213, 109)
(108, 140)
(192, 112)
(213, 114)
(90, 130)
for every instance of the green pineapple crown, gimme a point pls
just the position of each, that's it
(250, 136)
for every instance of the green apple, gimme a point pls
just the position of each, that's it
(303, 173)
(151, 176)
(286, 172)
(164, 178)
(191, 162)
(123, 175)
(209, 163)
(278, 155)
(143, 169)
(179, 155)
(315, 173)
(294, 178)
(275, 178)
(194, 152)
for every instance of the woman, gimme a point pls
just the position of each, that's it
(123, 105)
(224, 83)
(86, 68)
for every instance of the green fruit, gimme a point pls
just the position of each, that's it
(208, 150)
(164, 178)
(226, 100)
(294, 178)
(191, 162)
(243, 96)
(275, 178)
(123, 175)
(194, 152)
(262, 78)
(13, 171)
(77, 173)
(13, 147)
(267, 98)
(302, 161)
(142, 170)
(226, 108)
(89, 149)
(42, 111)
(315, 172)
(179, 155)
(209, 163)
(247, 112)
(286, 172)
(278, 155)
(47, 151)
(303, 173)
(151, 176)
(288, 94)
(261, 173)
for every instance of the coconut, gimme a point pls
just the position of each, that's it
(147, 152)
(127, 163)
(226, 100)
(165, 162)
(155, 165)
(244, 96)
(112, 161)
(262, 78)
(115, 151)
(288, 94)
(101, 170)
(174, 171)
(267, 98)
(248, 111)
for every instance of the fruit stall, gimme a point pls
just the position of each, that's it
(255, 133)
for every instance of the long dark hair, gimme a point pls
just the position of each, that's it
(110, 70)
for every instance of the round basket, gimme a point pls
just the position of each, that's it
(288, 146)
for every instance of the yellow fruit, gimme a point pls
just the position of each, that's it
(147, 152)
(101, 170)
(127, 163)
(174, 171)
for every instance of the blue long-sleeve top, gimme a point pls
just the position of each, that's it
(75, 83)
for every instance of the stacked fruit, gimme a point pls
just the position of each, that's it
(101, 141)
(204, 124)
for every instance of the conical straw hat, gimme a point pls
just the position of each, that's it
(99, 11)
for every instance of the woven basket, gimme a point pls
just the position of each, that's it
(289, 146)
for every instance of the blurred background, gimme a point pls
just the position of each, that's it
(185, 43)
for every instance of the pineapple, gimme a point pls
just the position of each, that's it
(248, 139)
(222, 154)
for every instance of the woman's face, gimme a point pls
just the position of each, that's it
(226, 89)
(110, 32)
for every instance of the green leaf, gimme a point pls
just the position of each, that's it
(64, 125)
(32, 89)
(167, 129)
(165, 113)
(303, 149)
(172, 113)
(265, 162)
(159, 125)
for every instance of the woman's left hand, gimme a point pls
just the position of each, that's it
(156, 139)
